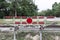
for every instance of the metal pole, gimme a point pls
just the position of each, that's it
(40, 35)
(14, 35)
(14, 31)
(14, 22)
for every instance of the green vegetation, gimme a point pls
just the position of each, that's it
(26, 8)
(21, 35)
(17, 7)
(3, 8)
(55, 11)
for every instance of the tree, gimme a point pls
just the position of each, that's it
(47, 12)
(56, 9)
(42, 13)
(3, 8)
(17, 7)
(23, 8)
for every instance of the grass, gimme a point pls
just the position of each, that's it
(21, 38)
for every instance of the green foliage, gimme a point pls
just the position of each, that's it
(55, 11)
(47, 12)
(23, 8)
(18, 7)
(42, 13)
(47, 36)
(3, 8)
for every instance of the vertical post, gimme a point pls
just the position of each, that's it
(14, 21)
(41, 29)
(40, 35)
(14, 31)
(14, 35)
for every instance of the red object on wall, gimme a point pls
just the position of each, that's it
(24, 17)
(41, 23)
(17, 17)
(17, 22)
(50, 16)
(29, 20)
(24, 23)
(8, 17)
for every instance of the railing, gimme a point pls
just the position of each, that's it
(36, 20)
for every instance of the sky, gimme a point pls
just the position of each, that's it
(45, 4)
